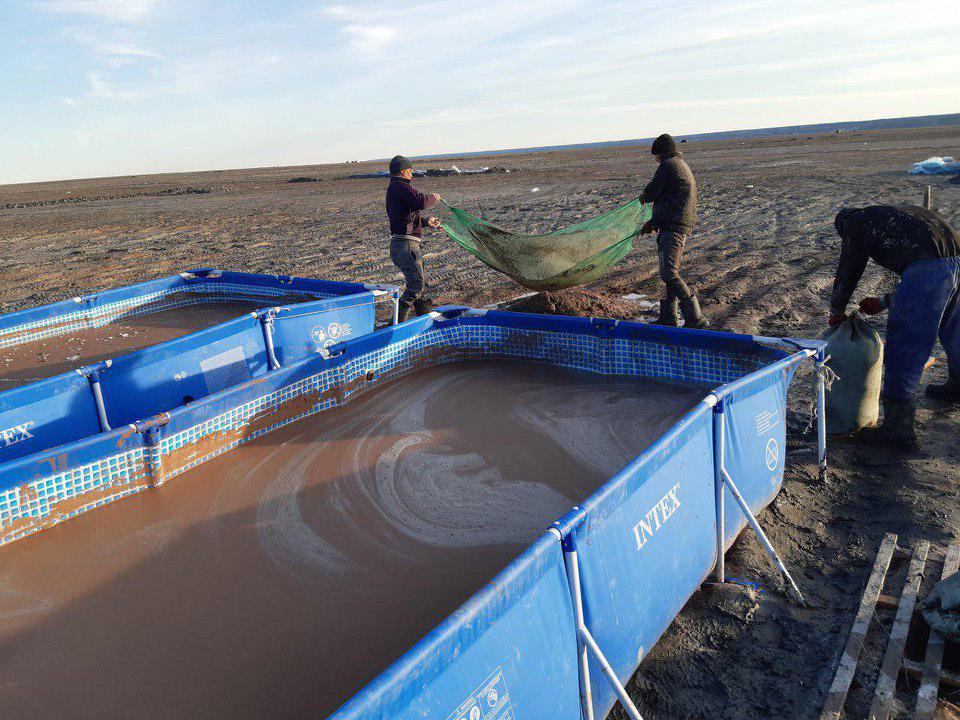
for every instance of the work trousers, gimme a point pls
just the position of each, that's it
(925, 306)
(670, 251)
(405, 254)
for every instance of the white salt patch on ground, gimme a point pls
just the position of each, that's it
(641, 301)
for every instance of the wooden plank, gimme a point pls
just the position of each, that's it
(930, 682)
(893, 658)
(888, 601)
(837, 695)
(915, 670)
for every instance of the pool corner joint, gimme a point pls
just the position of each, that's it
(723, 480)
(379, 290)
(150, 430)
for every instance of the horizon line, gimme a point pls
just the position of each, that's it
(714, 135)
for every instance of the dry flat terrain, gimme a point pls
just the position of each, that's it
(762, 257)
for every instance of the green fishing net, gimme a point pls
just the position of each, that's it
(575, 255)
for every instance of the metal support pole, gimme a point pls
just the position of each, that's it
(94, 379)
(585, 638)
(396, 309)
(928, 197)
(611, 675)
(774, 557)
(719, 571)
(150, 430)
(821, 417)
(152, 438)
(266, 321)
(573, 578)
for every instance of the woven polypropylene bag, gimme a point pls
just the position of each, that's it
(856, 356)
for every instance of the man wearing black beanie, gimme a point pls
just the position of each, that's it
(404, 205)
(673, 192)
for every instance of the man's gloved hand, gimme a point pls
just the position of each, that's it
(836, 319)
(433, 222)
(872, 306)
(648, 228)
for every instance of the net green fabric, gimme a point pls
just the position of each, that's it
(575, 255)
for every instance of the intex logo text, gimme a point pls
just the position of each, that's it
(657, 516)
(18, 433)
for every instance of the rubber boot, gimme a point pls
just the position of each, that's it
(403, 311)
(948, 391)
(423, 305)
(668, 313)
(692, 317)
(897, 429)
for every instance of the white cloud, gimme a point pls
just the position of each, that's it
(102, 88)
(126, 50)
(124, 11)
(371, 39)
(552, 42)
(343, 12)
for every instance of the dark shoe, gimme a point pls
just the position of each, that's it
(948, 391)
(403, 311)
(692, 317)
(668, 313)
(897, 429)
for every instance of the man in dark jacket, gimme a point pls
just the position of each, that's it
(924, 251)
(404, 205)
(673, 192)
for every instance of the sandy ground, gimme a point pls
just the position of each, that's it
(762, 258)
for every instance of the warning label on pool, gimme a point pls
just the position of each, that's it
(766, 421)
(490, 701)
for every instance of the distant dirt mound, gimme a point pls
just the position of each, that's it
(94, 198)
(582, 303)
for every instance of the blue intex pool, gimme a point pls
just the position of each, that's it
(604, 581)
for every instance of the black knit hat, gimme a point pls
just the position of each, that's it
(663, 145)
(399, 164)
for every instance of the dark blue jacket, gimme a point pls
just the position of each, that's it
(404, 203)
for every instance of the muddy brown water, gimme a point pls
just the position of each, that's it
(276, 580)
(22, 364)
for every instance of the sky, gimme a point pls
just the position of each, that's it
(115, 87)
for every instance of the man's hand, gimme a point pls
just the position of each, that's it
(433, 222)
(648, 228)
(872, 306)
(836, 319)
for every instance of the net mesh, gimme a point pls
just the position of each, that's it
(575, 255)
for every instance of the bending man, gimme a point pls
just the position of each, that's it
(923, 249)
(404, 204)
(673, 192)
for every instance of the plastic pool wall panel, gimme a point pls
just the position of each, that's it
(56, 411)
(646, 538)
